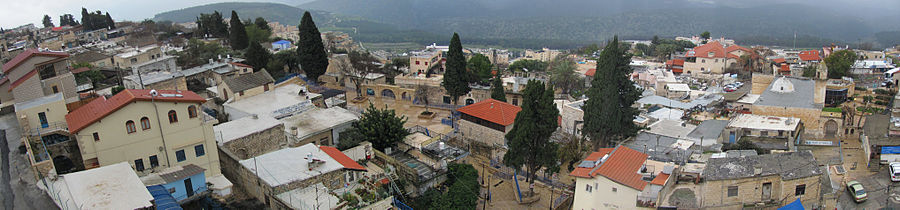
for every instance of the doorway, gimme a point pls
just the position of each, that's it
(189, 188)
(766, 191)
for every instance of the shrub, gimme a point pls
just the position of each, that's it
(860, 88)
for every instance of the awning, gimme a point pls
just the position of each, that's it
(796, 205)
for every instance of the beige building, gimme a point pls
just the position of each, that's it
(319, 126)
(247, 85)
(713, 58)
(799, 98)
(613, 178)
(772, 180)
(544, 55)
(151, 130)
(44, 129)
(421, 61)
(33, 74)
(137, 56)
(94, 58)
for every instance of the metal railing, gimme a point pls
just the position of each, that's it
(45, 128)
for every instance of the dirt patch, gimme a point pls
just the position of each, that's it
(683, 198)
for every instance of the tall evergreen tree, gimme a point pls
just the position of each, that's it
(497, 92)
(262, 24)
(608, 114)
(529, 140)
(86, 19)
(257, 56)
(313, 59)
(110, 23)
(456, 77)
(238, 34)
(47, 22)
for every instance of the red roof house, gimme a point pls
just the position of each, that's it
(101, 107)
(621, 165)
(590, 72)
(342, 158)
(493, 111)
(810, 55)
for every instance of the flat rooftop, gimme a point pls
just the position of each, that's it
(306, 198)
(762, 122)
(242, 127)
(290, 164)
(789, 92)
(663, 101)
(154, 77)
(109, 187)
(671, 128)
(282, 99)
(316, 120)
(39, 101)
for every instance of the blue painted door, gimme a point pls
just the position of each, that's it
(731, 138)
(43, 118)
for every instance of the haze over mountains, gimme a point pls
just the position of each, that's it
(768, 22)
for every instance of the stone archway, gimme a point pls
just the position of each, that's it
(388, 93)
(831, 129)
(469, 101)
(405, 96)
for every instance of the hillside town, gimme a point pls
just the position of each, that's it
(268, 115)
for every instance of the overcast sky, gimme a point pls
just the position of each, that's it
(21, 12)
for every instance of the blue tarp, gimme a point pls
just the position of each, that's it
(890, 150)
(280, 42)
(796, 205)
(162, 198)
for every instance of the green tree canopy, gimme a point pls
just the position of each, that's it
(809, 71)
(211, 25)
(67, 20)
(562, 74)
(480, 66)
(238, 34)
(254, 33)
(47, 22)
(96, 20)
(381, 127)
(705, 35)
(313, 59)
(497, 91)
(531, 65)
(839, 63)
(529, 140)
(456, 78)
(257, 56)
(608, 112)
(197, 53)
(261, 23)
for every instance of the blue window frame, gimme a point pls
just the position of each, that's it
(179, 155)
(199, 150)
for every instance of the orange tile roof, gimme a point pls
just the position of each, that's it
(810, 55)
(785, 67)
(101, 107)
(621, 166)
(342, 158)
(677, 70)
(79, 70)
(241, 65)
(703, 51)
(779, 60)
(22, 57)
(590, 72)
(493, 110)
(676, 62)
(660, 179)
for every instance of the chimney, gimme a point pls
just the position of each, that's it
(294, 131)
(210, 61)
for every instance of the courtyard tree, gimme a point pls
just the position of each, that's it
(381, 127)
(529, 142)
(562, 74)
(356, 67)
(480, 67)
(313, 59)
(456, 78)
(839, 63)
(497, 91)
(257, 56)
(422, 93)
(608, 111)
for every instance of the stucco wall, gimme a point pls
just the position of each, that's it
(602, 195)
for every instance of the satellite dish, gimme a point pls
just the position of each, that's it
(154, 93)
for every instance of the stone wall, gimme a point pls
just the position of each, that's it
(714, 194)
(813, 122)
(760, 83)
(258, 143)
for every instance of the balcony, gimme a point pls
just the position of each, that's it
(44, 129)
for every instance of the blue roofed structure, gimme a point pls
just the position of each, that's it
(890, 150)
(796, 205)
(162, 198)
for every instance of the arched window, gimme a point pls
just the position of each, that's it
(129, 126)
(145, 123)
(173, 117)
(192, 111)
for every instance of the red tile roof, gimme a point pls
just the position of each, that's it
(493, 110)
(79, 70)
(717, 50)
(590, 72)
(101, 107)
(677, 70)
(342, 158)
(660, 179)
(622, 166)
(675, 62)
(241, 65)
(785, 67)
(22, 57)
(779, 60)
(4, 80)
(810, 55)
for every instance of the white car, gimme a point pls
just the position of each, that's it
(895, 171)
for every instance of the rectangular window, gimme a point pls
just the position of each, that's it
(179, 155)
(732, 191)
(614, 189)
(154, 161)
(96, 136)
(515, 102)
(800, 190)
(199, 150)
(139, 165)
(764, 133)
(587, 187)
(417, 62)
(266, 87)
(55, 89)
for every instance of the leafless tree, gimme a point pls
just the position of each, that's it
(356, 67)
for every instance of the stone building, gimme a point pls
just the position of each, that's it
(33, 74)
(487, 123)
(772, 180)
(798, 98)
(240, 87)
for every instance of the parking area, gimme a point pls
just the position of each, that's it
(882, 193)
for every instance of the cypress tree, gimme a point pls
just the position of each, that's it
(238, 34)
(47, 22)
(497, 92)
(456, 78)
(109, 22)
(86, 19)
(257, 56)
(608, 114)
(529, 140)
(311, 50)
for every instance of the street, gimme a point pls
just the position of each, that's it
(881, 191)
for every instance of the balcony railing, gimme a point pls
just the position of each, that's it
(45, 128)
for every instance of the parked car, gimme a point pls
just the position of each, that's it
(895, 171)
(730, 89)
(857, 191)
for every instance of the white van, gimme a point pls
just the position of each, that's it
(895, 171)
